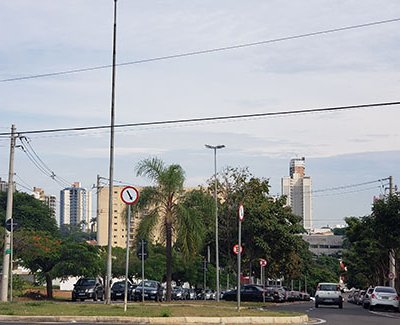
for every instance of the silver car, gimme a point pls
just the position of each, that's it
(384, 297)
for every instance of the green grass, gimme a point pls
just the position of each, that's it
(174, 309)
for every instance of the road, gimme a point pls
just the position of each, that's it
(350, 314)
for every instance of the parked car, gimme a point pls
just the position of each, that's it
(360, 297)
(118, 290)
(192, 294)
(179, 293)
(353, 296)
(367, 295)
(328, 294)
(250, 292)
(88, 288)
(278, 293)
(383, 297)
(152, 291)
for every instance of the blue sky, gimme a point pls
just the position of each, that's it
(351, 67)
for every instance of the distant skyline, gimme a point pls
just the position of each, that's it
(349, 67)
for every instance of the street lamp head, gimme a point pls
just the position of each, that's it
(220, 146)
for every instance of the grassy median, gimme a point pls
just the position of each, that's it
(174, 309)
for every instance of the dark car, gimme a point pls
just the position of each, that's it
(152, 291)
(250, 292)
(179, 293)
(118, 290)
(88, 288)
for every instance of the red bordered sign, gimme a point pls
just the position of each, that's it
(129, 195)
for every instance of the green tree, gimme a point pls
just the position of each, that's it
(161, 205)
(29, 213)
(269, 229)
(50, 257)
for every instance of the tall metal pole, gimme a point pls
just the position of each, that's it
(7, 238)
(128, 231)
(111, 174)
(392, 260)
(216, 215)
(239, 257)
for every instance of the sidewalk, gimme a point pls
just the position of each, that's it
(161, 320)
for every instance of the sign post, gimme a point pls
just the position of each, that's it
(239, 254)
(263, 263)
(130, 196)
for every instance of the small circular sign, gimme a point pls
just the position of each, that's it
(391, 275)
(236, 249)
(263, 262)
(129, 195)
(241, 212)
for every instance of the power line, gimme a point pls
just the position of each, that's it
(200, 52)
(343, 187)
(39, 163)
(217, 118)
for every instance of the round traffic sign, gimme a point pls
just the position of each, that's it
(236, 249)
(241, 212)
(263, 262)
(129, 195)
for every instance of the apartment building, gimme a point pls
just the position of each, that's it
(297, 188)
(75, 206)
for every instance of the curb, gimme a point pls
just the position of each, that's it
(162, 320)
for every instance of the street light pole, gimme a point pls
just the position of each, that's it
(216, 213)
(111, 170)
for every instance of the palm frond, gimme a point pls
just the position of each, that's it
(152, 168)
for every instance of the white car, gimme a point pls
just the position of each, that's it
(328, 294)
(383, 296)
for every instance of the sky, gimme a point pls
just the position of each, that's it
(347, 152)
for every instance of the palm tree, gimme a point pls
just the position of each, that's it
(162, 204)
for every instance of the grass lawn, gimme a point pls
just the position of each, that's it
(135, 309)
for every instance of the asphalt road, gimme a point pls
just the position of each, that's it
(350, 314)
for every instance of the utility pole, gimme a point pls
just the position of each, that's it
(7, 238)
(392, 260)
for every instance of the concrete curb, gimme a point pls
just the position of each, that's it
(162, 320)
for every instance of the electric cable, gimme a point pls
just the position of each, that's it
(200, 52)
(217, 118)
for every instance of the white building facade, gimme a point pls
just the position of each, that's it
(297, 188)
(75, 206)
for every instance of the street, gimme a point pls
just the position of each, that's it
(350, 314)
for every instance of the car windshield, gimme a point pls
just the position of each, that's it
(148, 284)
(385, 290)
(328, 287)
(86, 282)
(119, 285)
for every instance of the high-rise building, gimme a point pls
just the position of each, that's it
(4, 185)
(49, 200)
(75, 206)
(297, 189)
